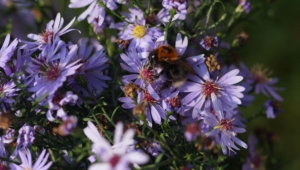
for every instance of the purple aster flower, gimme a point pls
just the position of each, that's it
(58, 101)
(122, 1)
(179, 6)
(2, 166)
(17, 65)
(140, 73)
(224, 130)
(259, 78)
(163, 16)
(151, 103)
(118, 156)
(248, 98)
(245, 4)
(3, 154)
(7, 50)
(171, 101)
(255, 161)
(238, 118)
(220, 94)
(39, 129)
(93, 65)
(52, 33)
(137, 32)
(98, 28)
(26, 136)
(92, 5)
(209, 42)
(192, 132)
(40, 163)
(25, 139)
(95, 13)
(7, 91)
(35, 65)
(153, 148)
(67, 126)
(272, 108)
(8, 137)
(53, 74)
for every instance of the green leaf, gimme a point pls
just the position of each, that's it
(88, 119)
(114, 112)
(159, 157)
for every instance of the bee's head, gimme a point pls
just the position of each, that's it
(152, 58)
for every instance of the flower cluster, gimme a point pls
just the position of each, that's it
(162, 69)
(40, 72)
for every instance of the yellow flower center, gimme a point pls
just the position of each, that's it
(260, 74)
(139, 31)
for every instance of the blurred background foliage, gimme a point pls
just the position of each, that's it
(275, 43)
(274, 33)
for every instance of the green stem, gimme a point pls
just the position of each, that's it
(8, 160)
(64, 8)
(209, 12)
(168, 26)
(260, 113)
(102, 129)
(113, 12)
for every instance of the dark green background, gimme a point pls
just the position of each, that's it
(274, 42)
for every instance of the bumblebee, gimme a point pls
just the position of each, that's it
(175, 67)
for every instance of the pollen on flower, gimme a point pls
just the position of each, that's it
(2, 167)
(212, 111)
(148, 98)
(53, 72)
(275, 105)
(82, 63)
(174, 102)
(57, 98)
(46, 36)
(139, 109)
(131, 89)
(114, 160)
(151, 18)
(209, 42)
(139, 31)
(212, 63)
(256, 161)
(225, 124)
(146, 74)
(210, 88)
(1, 89)
(123, 43)
(5, 121)
(208, 142)
(260, 75)
(67, 126)
(193, 128)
